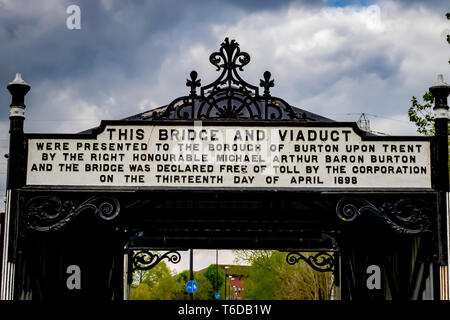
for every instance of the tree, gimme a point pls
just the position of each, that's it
(216, 276)
(139, 276)
(204, 291)
(153, 284)
(261, 282)
(422, 114)
(301, 282)
(270, 277)
(140, 292)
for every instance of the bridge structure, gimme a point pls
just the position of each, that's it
(228, 166)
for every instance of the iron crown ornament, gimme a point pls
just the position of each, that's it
(229, 96)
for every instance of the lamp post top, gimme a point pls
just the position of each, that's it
(440, 83)
(18, 80)
(18, 89)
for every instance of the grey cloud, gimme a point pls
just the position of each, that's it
(123, 44)
(256, 5)
(437, 5)
(117, 42)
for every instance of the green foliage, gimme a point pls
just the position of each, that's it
(271, 278)
(260, 283)
(154, 275)
(205, 289)
(241, 270)
(153, 284)
(268, 277)
(160, 283)
(140, 292)
(163, 289)
(139, 276)
(422, 114)
(216, 277)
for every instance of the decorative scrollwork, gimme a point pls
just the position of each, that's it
(404, 216)
(50, 213)
(321, 261)
(146, 260)
(229, 55)
(229, 96)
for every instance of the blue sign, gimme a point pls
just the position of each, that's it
(217, 295)
(191, 286)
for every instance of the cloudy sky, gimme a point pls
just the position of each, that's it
(335, 58)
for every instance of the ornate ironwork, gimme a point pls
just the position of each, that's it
(146, 260)
(404, 216)
(50, 213)
(321, 261)
(229, 96)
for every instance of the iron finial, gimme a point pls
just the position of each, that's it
(193, 83)
(266, 83)
(18, 88)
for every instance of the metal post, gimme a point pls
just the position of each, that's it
(15, 180)
(18, 89)
(128, 271)
(226, 279)
(229, 288)
(191, 271)
(217, 270)
(225, 285)
(440, 90)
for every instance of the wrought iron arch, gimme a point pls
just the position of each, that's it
(229, 96)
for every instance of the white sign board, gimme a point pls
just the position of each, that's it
(164, 156)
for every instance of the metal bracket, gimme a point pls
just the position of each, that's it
(404, 216)
(321, 261)
(50, 213)
(146, 260)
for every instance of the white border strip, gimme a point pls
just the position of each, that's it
(448, 241)
(7, 270)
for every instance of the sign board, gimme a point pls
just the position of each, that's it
(191, 286)
(223, 156)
